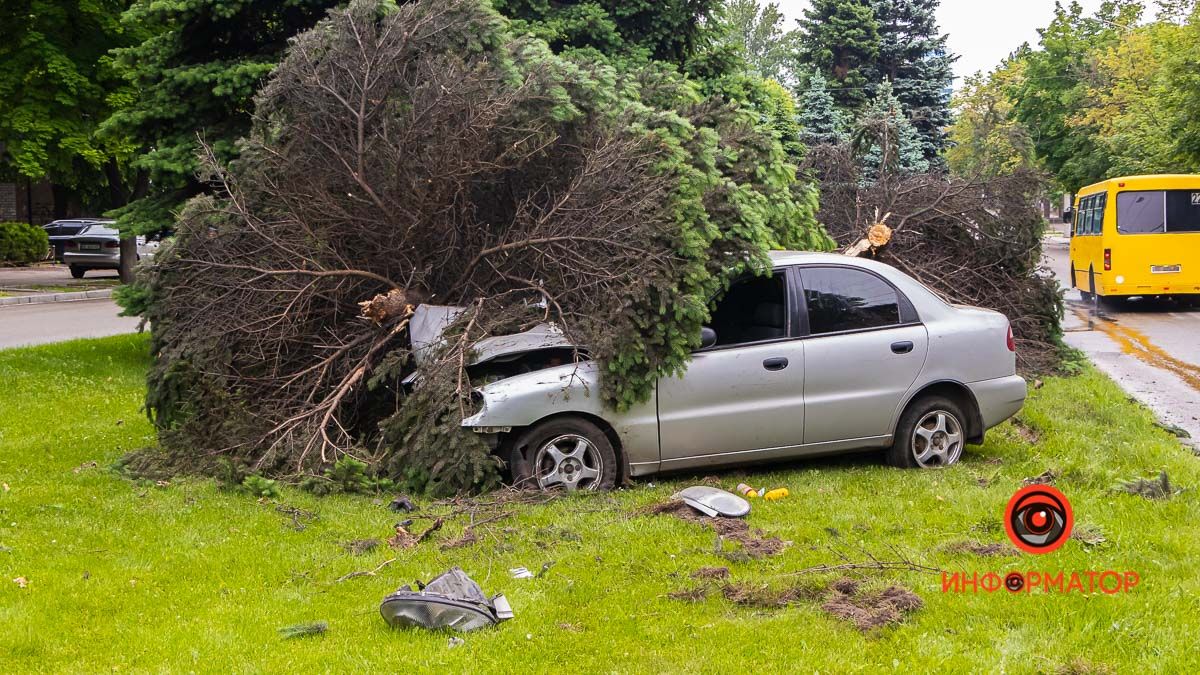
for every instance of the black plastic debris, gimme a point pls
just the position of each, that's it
(452, 600)
(402, 503)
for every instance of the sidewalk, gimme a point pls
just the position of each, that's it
(41, 284)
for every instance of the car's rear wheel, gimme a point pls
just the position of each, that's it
(931, 434)
(77, 272)
(567, 453)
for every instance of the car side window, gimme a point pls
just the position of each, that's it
(754, 309)
(844, 299)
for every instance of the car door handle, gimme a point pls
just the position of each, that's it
(776, 364)
(902, 347)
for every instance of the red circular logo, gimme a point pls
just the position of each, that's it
(1038, 519)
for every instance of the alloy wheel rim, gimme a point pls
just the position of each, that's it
(937, 439)
(570, 462)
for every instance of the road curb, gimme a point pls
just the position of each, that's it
(45, 298)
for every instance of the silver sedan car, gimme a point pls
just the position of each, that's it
(829, 354)
(98, 247)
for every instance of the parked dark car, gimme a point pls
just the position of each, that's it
(62, 230)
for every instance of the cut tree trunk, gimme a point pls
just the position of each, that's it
(128, 258)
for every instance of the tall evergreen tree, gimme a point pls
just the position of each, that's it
(913, 57)
(840, 39)
(885, 141)
(820, 121)
(197, 74)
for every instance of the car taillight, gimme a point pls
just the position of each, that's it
(1108, 260)
(111, 244)
(1012, 343)
(72, 244)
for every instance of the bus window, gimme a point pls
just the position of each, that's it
(1098, 214)
(1183, 211)
(1083, 218)
(1141, 212)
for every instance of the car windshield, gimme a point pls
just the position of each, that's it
(1158, 211)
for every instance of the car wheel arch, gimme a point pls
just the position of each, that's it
(955, 391)
(508, 443)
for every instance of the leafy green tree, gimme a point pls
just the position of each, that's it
(1182, 83)
(985, 140)
(1134, 102)
(759, 30)
(840, 39)
(56, 83)
(914, 58)
(820, 120)
(1052, 97)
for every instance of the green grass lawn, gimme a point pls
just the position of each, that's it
(187, 577)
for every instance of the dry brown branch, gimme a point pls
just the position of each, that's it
(364, 573)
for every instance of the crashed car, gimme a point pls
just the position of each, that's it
(828, 354)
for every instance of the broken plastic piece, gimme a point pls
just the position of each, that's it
(452, 600)
(402, 503)
(520, 573)
(713, 502)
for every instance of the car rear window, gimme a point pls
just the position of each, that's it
(1158, 211)
(844, 299)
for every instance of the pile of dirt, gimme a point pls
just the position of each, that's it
(765, 597)
(754, 543)
(1150, 488)
(711, 573)
(1047, 477)
(870, 611)
(844, 598)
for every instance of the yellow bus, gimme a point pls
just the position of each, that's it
(1138, 235)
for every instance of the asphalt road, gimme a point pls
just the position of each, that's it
(22, 325)
(1151, 348)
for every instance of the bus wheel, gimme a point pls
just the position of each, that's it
(1093, 297)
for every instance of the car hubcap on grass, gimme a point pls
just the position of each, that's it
(937, 440)
(570, 462)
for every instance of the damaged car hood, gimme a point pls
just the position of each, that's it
(428, 322)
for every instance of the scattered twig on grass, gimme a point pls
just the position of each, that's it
(365, 573)
(871, 563)
(304, 629)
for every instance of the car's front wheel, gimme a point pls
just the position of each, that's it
(567, 453)
(931, 433)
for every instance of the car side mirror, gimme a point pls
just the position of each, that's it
(708, 337)
(1069, 218)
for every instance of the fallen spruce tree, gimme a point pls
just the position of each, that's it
(974, 241)
(425, 154)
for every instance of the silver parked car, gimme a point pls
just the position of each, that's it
(98, 247)
(830, 354)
